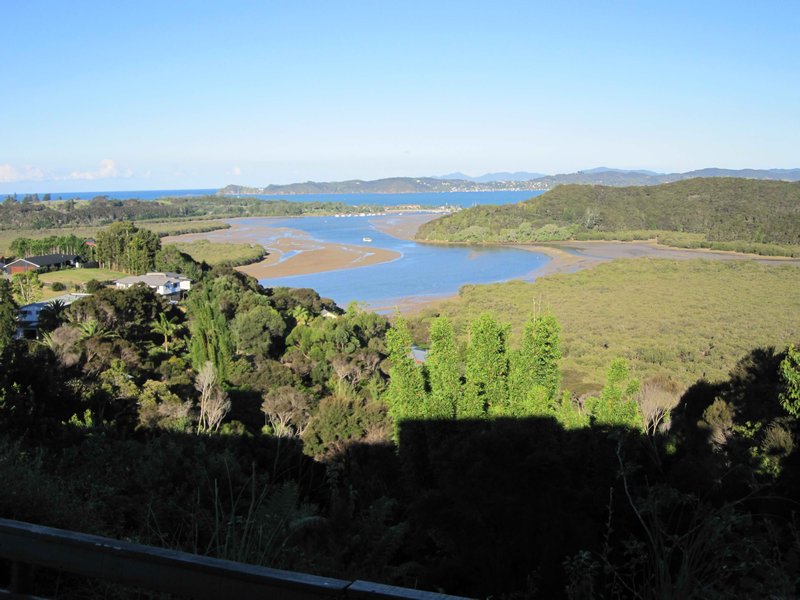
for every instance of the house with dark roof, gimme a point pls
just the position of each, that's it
(46, 261)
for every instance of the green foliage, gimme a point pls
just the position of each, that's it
(790, 372)
(720, 210)
(8, 315)
(444, 377)
(485, 390)
(52, 315)
(213, 253)
(27, 287)
(159, 408)
(340, 421)
(124, 247)
(56, 244)
(129, 314)
(211, 339)
(699, 316)
(617, 404)
(256, 330)
(93, 286)
(405, 395)
(534, 373)
(170, 259)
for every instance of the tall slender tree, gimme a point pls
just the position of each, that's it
(8, 315)
(406, 391)
(443, 372)
(534, 377)
(211, 339)
(486, 390)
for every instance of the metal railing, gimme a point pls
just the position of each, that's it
(158, 569)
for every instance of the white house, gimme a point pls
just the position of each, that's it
(28, 315)
(165, 284)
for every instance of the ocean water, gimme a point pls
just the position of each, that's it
(463, 199)
(422, 271)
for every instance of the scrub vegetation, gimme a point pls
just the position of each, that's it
(688, 320)
(743, 215)
(213, 253)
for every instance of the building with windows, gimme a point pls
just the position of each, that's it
(165, 284)
(46, 261)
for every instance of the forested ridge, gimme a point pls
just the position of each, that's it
(269, 425)
(699, 212)
(33, 213)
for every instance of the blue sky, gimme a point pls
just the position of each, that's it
(167, 95)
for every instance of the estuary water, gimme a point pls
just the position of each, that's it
(463, 199)
(423, 271)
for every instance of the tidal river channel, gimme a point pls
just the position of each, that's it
(422, 271)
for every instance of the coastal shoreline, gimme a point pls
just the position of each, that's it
(295, 252)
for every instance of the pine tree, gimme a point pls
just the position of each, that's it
(443, 372)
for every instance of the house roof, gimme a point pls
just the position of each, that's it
(66, 299)
(46, 260)
(152, 279)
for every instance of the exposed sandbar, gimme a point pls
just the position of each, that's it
(403, 227)
(571, 256)
(291, 251)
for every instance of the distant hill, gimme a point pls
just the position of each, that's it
(695, 212)
(392, 185)
(490, 182)
(488, 177)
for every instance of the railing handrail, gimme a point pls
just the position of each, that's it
(160, 569)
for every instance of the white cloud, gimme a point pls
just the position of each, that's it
(108, 170)
(236, 171)
(10, 174)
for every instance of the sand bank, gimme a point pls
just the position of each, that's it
(291, 251)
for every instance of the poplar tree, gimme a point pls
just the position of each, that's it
(443, 372)
(406, 391)
(486, 370)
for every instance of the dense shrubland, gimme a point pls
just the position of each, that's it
(718, 213)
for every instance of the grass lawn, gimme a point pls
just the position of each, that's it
(687, 319)
(72, 277)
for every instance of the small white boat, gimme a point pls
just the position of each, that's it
(366, 239)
